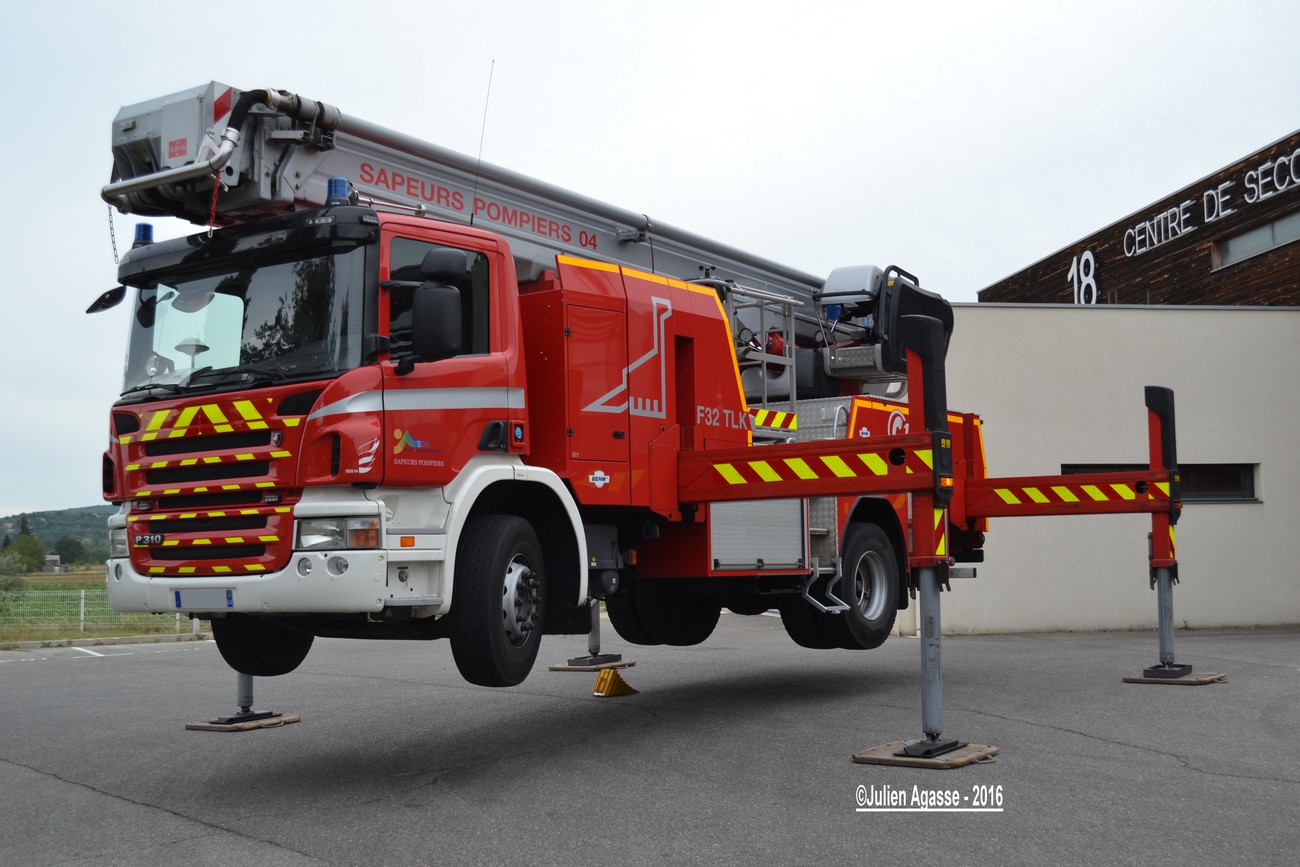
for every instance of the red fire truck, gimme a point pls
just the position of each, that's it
(395, 393)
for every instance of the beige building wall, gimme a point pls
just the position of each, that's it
(1060, 384)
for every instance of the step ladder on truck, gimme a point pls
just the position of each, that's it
(393, 392)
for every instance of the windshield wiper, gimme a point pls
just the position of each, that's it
(246, 374)
(170, 387)
(164, 386)
(257, 376)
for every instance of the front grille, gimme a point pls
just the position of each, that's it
(208, 525)
(207, 472)
(193, 445)
(206, 552)
(215, 501)
(214, 484)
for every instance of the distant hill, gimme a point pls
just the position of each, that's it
(87, 525)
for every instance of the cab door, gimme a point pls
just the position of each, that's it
(440, 414)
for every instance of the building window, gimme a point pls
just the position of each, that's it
(1202, 483)
(1260, 239)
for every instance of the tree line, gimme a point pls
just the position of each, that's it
(25, 552)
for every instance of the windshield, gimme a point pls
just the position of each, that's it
(249, 322)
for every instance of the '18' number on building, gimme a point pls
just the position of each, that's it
(1083, 278)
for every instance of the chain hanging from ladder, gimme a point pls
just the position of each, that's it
(112, 234)
(212, 215)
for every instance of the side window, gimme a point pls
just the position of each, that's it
(405, 256)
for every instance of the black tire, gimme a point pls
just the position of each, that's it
(677, 620)
(750, 606)
(626, 619)
(259, 647)
(869, 586)
(499, 601)
(803, 624)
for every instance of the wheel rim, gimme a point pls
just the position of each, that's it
(869, 590)
(519, 601)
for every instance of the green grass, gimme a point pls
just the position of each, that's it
(50, 611)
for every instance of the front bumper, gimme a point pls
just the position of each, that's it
(323, 589)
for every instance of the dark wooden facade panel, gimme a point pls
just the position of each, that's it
(1165, 253)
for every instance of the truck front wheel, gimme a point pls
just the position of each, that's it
(259, 647)
(499, 601)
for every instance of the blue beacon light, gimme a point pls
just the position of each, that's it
(337, 193)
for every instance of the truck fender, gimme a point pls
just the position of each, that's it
(477, 488)
(878, 511)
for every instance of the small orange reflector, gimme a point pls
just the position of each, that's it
(408, 541)
(945, 481)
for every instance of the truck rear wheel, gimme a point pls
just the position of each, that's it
(626, 619)
(803, 624)
(679, 621)
(869, 586)
(499, 601)
(659, 616)
(259, 647)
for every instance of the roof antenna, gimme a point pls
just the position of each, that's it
(473, 204)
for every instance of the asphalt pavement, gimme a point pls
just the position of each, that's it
(738, 751)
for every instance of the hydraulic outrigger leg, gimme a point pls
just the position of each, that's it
(594, 657)
(931, 673)
(1163, 578)
(926, 343)
(1164, 565)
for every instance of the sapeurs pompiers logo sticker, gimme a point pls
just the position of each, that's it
(406, 444)
(405, 441)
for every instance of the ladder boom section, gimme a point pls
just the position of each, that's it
(539, 219)
(287, 148)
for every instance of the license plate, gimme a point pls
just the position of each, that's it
(204, 599)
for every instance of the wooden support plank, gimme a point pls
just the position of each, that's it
(251, 725)
(885, 754)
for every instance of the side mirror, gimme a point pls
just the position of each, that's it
(435, 322)
(108, 300)
(436, 309)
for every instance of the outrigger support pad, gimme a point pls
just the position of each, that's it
(244, 699)
(929, 749)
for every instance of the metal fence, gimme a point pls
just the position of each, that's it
(34, 614)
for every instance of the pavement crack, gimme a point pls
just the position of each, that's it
(211, 826)
(1183, 760)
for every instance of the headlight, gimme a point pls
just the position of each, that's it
(117, 543)
(323, 534)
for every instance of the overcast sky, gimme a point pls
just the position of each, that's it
(959, 140)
